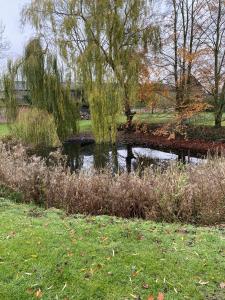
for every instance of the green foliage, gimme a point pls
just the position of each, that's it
(47, 90)
(9, 92)
(36, 128)
(33, 70)
(106, 42)
(105, 109)
(59, 100)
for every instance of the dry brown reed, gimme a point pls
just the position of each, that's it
(194, 194)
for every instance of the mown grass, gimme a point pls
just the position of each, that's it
(47, 255)
(206, 119)
(4, 129)
(157, 118)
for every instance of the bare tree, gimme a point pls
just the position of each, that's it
(212, 67)
(4, 45)
(194, 51)
(182, 43)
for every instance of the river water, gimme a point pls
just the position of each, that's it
(122, 157)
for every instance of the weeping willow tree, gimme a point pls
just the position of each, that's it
(10, 101)
(105, 39)
(34, 71)
(59, 100)
(47, 91)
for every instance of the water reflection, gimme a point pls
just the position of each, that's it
(121, 158)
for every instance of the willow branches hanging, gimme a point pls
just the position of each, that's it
(47, 90)
(10, 101)
(60, 102)
(34, 71)
(106, 41)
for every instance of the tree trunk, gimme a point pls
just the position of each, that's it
(152, 109)
(129, 158)
(129, 114)
(218, 118)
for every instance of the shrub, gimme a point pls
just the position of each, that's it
(194, 194)
(36, 128)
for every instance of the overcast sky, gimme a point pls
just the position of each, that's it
(10, 17)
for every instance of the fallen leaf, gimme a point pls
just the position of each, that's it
(104, 238)
(135, 297)
(30, 291)
(140, 237)
(38, 294)
(11, 235)
(145, 286)
(160, 296)
(134, 274)
(203, 282)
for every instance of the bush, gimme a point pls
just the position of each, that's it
(36, 128)
(193, 194)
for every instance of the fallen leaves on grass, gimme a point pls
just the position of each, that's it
(38, 294)
(11, 235)
(203, 282)
(160, 297)
(145, 286)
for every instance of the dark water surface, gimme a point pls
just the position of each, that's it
(121, 157)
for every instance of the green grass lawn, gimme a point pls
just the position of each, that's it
(4, 130)
(47, 255)
(156, 118)
(85, 126)
(205, 118)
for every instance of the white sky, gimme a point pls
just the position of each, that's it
(17, 37)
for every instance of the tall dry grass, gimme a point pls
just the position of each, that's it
(193, 194)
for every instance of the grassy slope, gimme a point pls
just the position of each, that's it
(105, 258)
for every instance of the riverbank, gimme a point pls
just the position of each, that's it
(190, 194)
(191, 146)
(44, 254)
(195, 147)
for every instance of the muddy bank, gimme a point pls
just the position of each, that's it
(190, 146)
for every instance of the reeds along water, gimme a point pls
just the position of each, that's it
(194, 194)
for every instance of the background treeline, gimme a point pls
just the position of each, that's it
(120, 52)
